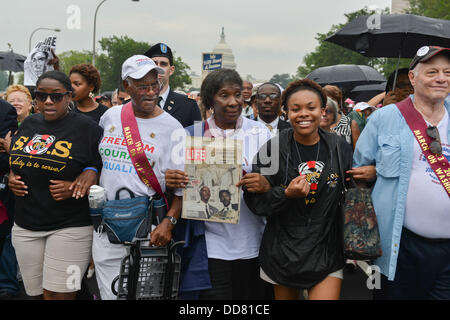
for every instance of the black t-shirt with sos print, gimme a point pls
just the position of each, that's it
(53, 150)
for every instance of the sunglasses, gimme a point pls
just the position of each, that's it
(435, 146)
(272, 96)
(55, 97)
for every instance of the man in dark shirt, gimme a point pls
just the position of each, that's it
(268, 102)
(179, 106)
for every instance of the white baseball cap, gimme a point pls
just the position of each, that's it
(138, 66)
(360, 106)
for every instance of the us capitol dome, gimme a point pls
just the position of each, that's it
(227, 53)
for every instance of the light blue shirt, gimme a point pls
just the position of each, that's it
(388, 143)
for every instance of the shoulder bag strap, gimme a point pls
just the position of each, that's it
(438, 163)
(136, 150)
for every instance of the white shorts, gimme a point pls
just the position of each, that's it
(52, 260)
(337, 274)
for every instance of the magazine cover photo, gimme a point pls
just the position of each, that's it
(214, 167)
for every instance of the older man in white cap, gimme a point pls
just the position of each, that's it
(122, 169)
(409, 144)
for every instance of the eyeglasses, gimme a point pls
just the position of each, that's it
(155, 87)
(435, 146)
(55, 97)
(272, 96)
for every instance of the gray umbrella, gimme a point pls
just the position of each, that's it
(392, 35)
(10, 61)
(346, 76)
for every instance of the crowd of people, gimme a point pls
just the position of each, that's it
(57, 139)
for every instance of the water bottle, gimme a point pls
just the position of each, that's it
(97, 199)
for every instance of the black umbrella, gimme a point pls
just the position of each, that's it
(10, 61)
(346, 76)
(392, 35)
(366, 92)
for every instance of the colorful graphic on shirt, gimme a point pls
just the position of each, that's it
(39, 144)
(333, 180)
(312, 170)
(115, 155)
(42, 152)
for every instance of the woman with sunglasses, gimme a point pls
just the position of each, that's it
(302, 243)
(86, 80)
(54, 160)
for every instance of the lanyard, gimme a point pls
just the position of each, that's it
(136, 150)
(438, 163)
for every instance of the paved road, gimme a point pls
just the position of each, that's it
(353, 287)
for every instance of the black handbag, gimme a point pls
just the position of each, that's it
(361, 237)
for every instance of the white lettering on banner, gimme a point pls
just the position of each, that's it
(74, 20)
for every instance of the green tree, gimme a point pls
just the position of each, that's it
(282, 79)
(68, 59)
(180, 76)
(20, 79)
(3, 80)
(439, 9)
(117, 49)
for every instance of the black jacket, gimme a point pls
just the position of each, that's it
(301, 244)
(185, 110)
(282, 125)
(8, 122)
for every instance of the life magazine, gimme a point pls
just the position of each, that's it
(214, 166)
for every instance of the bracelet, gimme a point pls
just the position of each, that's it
(90, 168)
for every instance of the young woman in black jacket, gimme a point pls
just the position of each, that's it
(302, 242)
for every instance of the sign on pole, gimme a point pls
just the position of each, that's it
(211, 62)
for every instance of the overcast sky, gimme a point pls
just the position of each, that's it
(267, 37)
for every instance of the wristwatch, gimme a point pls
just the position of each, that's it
(172, 220)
